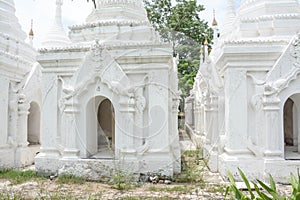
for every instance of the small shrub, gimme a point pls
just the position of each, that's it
(191, 170)
(268, 193)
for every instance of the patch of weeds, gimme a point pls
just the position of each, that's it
(131, 198)
(181, 189)
(70, 179)
(122, 179)
(215, 188)
(147, 198)
(95, 196)
(18, 177)
(10, 195)
(191, 170)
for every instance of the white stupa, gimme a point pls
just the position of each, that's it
(56, 36)
(244, 107)
(111, 98)
(19, 90)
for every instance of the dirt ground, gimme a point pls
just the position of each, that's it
(196, 182)
(53, 189)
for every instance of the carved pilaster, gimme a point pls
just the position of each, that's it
(23, 107)
(211, 120)
(70, 112)
(272, 126)
(125, 125)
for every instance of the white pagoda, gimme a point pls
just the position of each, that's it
(110, 96)
(20, 94)
(244, 109)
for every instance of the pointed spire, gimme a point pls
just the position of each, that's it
(229, 19)
(215, 28)
(214, 23)
(31, 30)
(31, 34)
(56, 36)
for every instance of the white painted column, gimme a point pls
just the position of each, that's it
(23, 112)
(49, 116)
(71, 110)
(4, 92)
(174, 135)
(125, 126)
(212, 119)
(272, 128)
(13, 112)
(236, 111)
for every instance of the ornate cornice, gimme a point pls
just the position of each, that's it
(16, 58)
(132, 3)
(108, 23)
(85, 48)
(271, 17)
(258, 41)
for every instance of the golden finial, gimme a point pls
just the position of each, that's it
(214, 23)
(206, 42)
(31, 31)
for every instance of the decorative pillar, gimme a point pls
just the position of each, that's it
(13, 113)
(125, 126)
(46, 162)
(236, 111)
(197, 117)
(174, 135)
(4, 91)
(272, 127)
(23, 107)
(70, 112)
(212, 121)
(210, 150)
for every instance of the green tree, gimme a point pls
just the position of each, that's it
(180, 24)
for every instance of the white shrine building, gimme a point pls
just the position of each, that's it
(104, 97)
(20, 94)
(110, 96)
(244, 109)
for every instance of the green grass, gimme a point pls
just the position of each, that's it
(69, 179)
(192, 172)
(18, 177)
(147, 198)
(181, 189)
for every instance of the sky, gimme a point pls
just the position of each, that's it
(75, 12)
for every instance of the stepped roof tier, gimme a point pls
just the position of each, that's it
(16, 56)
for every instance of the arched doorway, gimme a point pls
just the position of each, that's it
(106, 126)
(34, 124)
(291, 128)
(100, 128)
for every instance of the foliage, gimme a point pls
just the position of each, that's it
(181, 25)
(18, 177)
(191, 171)
(120, 178)
(268, 193)
(69, 179)
(181, 189)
